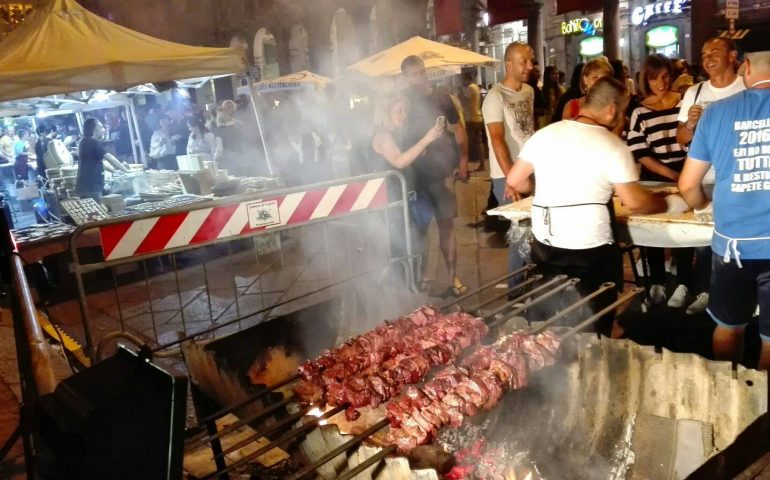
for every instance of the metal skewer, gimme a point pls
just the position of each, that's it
(313, 423)
(459, 299)
(341, 449)
(535, 301)
(247, 420)
(529, 281)
(628, 296)
(603, 288)
(275, 428)
(522, 298)
(373, 460)
(256, 396)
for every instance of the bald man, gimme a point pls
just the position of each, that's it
(733, 136)
(509, 116)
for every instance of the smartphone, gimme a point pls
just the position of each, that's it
(441, 121)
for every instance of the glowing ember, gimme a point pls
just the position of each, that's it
(317, 412)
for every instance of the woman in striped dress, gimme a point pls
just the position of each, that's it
(652, 139)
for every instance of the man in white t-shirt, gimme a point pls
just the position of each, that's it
(719, 57)
(509, 116)
(578, 165)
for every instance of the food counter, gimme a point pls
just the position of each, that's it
(660, 230)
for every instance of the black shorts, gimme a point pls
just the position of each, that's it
(735, 292)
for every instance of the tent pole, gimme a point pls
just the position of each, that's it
(131, 132)
(259, 122)
(135, 121)
(79, 117)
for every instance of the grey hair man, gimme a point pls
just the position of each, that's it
(572, 212)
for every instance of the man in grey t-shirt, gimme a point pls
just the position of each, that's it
(509, 116)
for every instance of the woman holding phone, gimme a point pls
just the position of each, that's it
(390, 114)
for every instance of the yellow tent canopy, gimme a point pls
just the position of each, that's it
(434, 54)
(64, 48)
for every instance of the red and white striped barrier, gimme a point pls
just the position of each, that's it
(165, 232)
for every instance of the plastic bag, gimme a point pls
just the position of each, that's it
(518, 237)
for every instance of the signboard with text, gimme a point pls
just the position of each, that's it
(644, 14)
(732, 9)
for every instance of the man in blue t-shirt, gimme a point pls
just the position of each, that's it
(733, 135)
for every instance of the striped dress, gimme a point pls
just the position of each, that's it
(653, 134)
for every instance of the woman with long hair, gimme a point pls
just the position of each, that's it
(551, 89)
(390, 115)
(572, 92)
(592, 71)
(652, 140)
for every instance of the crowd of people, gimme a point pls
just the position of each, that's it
(674, 129)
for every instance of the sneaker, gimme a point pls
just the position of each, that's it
(678, 298)
(657, 294)
(699, 305)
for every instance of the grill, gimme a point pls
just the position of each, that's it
(329, 445)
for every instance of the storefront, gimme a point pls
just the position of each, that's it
(574, 38)
(659, 27)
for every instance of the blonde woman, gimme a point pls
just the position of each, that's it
(390, 115)
(592, 71)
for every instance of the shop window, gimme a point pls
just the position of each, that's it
(663, 40)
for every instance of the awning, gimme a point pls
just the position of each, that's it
(64, 48)
(293, 81)
(434, 54)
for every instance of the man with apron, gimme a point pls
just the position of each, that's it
(733, 135)
(578, 165)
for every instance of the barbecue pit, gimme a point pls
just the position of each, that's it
(615, 406)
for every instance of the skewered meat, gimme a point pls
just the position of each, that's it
(459, 391)
(371, 378)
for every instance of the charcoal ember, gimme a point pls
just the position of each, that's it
(279, 471)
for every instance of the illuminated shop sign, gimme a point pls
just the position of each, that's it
(670, 7)
(591, 47)
(576, 26)
(662, 36)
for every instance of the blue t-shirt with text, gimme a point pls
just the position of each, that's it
(734, 135)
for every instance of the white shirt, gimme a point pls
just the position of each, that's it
(206, 144)
(576, 163)
(516, 111)
(708, 94)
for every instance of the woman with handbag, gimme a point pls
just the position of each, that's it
(390, 114)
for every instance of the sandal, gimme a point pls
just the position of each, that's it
(458, 289)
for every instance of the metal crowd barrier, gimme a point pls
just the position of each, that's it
(237, 247)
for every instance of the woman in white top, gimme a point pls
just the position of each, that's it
(200, 140)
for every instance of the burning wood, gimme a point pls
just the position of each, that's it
(272, 367)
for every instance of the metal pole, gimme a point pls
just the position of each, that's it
(40, 356)
(79, 117)
(253, 102)
(131, 133)
(138, 130)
